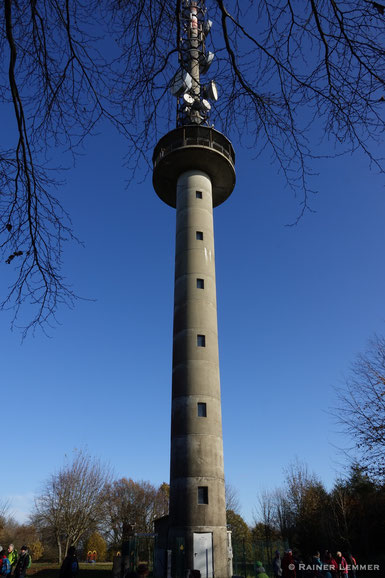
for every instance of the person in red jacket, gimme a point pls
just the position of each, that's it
(342, 565)
(288, 565)
(331, 567)
(352, 563)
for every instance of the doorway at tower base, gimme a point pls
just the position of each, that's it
(203, 553)
(179, 551)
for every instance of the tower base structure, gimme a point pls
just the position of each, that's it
(194, 172)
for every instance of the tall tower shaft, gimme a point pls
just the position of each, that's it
(194, 172)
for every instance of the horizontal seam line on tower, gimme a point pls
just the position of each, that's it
(206, 435)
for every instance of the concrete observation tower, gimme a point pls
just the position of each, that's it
(194, 172)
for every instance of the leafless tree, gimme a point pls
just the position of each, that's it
(71, 501)
(4, 508)
(132, 507)
(283, 517)
(341, 507)
(361, 407)
(267, 508)
(299, 509)
(268, 518)
(297, 480)
(5, 517)
(286, 70)
(232, 498)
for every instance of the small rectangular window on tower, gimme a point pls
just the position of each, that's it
(202, 409)
(198, 194)
(199, 235)
(203, 495)
(201, 340)
(200, 283)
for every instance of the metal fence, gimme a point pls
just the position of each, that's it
(138, 549)
(247, 554)
(142, 549)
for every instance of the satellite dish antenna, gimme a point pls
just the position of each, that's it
(188, 99)
(181, 82)
(205, 104)
(207, 27)
(210, 91)
(204, 65)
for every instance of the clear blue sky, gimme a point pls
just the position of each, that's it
(295, 305)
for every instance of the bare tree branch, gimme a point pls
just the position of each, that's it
(71, 502)
(295, 79)
(361, 407)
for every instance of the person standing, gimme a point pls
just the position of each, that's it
(317, 564)
(260, 571)
(352, 563)
(277, 569)
(70, 566)
(23, 563)
(288, 565)
(12, 556)
(342, 565)
(331, 567)
(5, 566)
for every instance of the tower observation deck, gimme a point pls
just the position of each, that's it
(193, 171)
(187, 148)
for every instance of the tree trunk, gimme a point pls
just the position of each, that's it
(68, 540)
(59, 550)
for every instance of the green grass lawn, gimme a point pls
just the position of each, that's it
(47, 570)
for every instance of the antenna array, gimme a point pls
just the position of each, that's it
(193, 97)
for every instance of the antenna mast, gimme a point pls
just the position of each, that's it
(193, 104)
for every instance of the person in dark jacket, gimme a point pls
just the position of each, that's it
(70, 566)
(317, 564)
(23, 563)
(277, 565)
